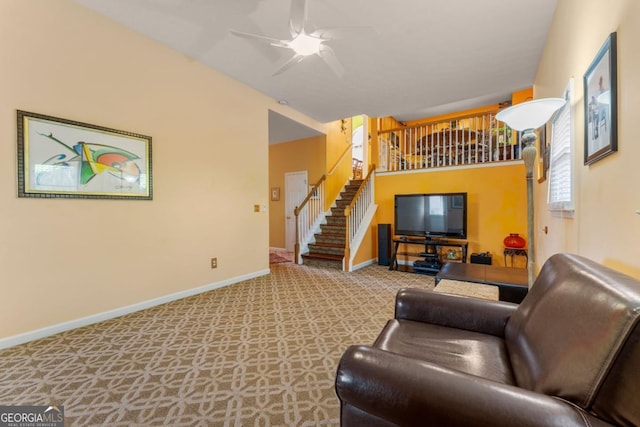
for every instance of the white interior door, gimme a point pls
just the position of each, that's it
(296, 188)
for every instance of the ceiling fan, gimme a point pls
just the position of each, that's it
(304, 42)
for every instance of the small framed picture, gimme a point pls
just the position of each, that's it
(600, 104)
(275, 194)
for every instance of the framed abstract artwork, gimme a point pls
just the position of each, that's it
(600, 104)
(60, 158)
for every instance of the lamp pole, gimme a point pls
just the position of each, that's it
(526, 118)
(529, 157)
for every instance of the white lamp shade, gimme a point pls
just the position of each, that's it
(530, 115)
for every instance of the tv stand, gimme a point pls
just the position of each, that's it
(431, 256)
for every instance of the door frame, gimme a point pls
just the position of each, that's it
(290, 203)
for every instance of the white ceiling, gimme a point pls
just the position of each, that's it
(408, 58)
(283, 129)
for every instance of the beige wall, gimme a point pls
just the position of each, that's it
(62, 260)
(605, 227)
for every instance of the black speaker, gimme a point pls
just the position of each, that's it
(384, 244)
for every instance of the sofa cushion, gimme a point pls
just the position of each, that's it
(466, 351)
(569, 335)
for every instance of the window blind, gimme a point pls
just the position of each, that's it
(560, 195)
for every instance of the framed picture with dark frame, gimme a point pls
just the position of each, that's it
(600, 104)
(59, 158)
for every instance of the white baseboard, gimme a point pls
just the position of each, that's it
(106, 315)
(364, 264)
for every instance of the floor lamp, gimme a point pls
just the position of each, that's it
(526, 118)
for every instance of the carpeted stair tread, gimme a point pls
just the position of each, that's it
(335, 220)
(331, 235)
(330, 245)
(333, 229)
(318, 255)
(326, 245)
(327, 248)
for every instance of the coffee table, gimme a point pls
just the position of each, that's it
(468, 289)
(511, 282)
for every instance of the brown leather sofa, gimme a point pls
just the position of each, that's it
(568, 355)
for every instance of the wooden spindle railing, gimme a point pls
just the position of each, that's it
(355, 214)
(467, 140)
(308, 215)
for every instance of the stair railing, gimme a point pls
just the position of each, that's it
(356, 212)
(309, 215)
(311, 211)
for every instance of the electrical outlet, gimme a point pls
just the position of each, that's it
(214, 262)
(256, 208)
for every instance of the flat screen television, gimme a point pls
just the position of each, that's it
(431, 215)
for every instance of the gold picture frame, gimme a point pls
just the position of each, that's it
(59, 158)
(275, 194)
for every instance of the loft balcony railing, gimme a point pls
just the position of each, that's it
(469, 140)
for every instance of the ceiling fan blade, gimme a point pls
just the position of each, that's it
(337, 33)
(290, 63)
(331, 59)
(297, 16)
(250, 36)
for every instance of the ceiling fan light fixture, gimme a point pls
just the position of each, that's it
(302, 43)
(305, 44)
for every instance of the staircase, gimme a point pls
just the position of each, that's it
(328, 249)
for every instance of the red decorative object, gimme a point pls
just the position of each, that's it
(514, 240)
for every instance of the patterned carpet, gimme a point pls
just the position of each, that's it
(262, 352)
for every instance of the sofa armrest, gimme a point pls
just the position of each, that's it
(405, 391)
(454, 311)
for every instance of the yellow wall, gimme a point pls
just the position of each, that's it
(605, 227)
(302, 155)
(62, 260)
(522, 96)
(318, 156)
(369, 246)
(374, 144)
(338, 163)
(496, 198)
(386, 123)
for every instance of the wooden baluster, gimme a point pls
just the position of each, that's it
(347, 248)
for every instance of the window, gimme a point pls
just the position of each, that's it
(560, 196)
